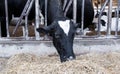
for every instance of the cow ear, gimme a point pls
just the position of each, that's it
(46, 29)
(75, 24)
(42, 30)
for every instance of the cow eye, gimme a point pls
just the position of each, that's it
(57, 36)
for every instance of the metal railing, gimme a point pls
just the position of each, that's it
(102, 8)
(109, 20)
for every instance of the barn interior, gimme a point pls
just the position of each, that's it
(97, 52)
(91, 32)
(22, 39)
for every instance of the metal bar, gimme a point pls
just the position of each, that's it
(82, 16)
(7, 21)
(37, 7)
(29, 8)
(109, 18)
(22, 15)
(0, 29)
(26, 20)
(117, 19)
(74, 10)
(26, 27)
(64, 5)
(23, 29)
(46, 8)
(41, 18)
(99, 17)
(67, 7)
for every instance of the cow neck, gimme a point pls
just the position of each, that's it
(54, 10)
(61, 18)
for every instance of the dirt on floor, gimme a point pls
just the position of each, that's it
(90, 63)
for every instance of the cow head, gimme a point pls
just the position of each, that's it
(62, 32)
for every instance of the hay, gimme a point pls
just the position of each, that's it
(3, 62)
(93, 63)
(109, 60)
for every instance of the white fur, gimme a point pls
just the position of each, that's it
(113, 24)
(65, 25)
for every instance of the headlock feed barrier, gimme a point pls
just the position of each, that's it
(105, 6)
(111, 30)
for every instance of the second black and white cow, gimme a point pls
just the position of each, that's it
(15, 7)
(60, 28)
(104, 22)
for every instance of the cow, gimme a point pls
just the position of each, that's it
(104, 22)
(15, 7)
(88, 12)
(61, 28)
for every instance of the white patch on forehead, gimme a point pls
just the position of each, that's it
(65, 25)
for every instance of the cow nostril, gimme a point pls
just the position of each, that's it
(70, 58)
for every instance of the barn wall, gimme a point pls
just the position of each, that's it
(102, 1)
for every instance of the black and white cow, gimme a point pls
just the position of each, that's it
(88, 12)
(61, 29)
(104, 21)
(15, 7)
